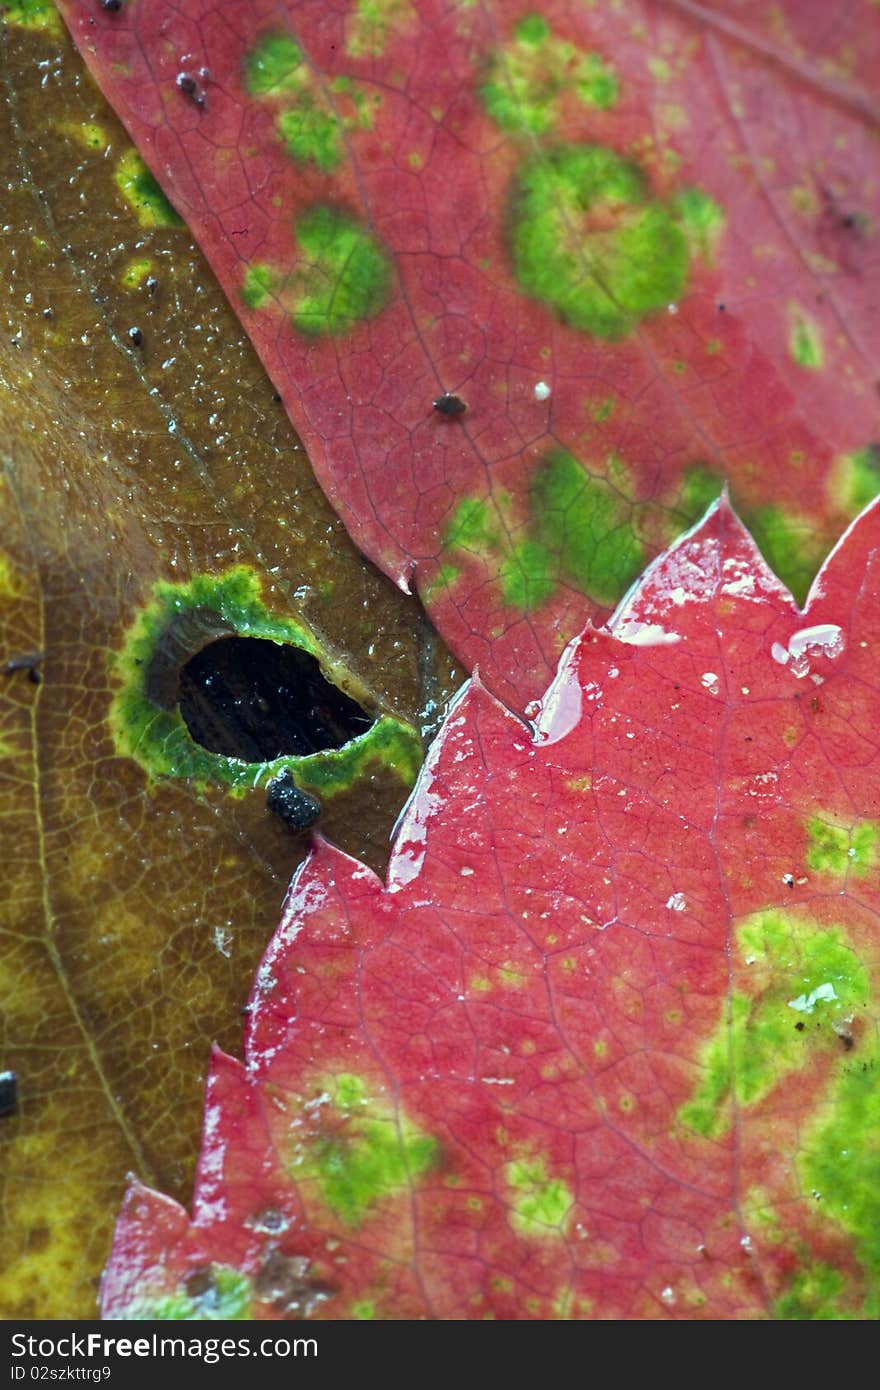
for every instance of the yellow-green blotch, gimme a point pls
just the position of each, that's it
(342, 276)
(803, 978)
(364, 1150)
(527, 81)
(588, 237)
(143, 194)
(804, 339)
(373, 24)
(540, 1203)
(275, 71)
(841, 850)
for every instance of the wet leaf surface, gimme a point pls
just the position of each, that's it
(606, 1042)
(145, 462)
(636, 242)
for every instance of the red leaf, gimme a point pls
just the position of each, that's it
(606, 1044)
(636, 241)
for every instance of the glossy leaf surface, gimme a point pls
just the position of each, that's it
(606, 1043)
(636, 241)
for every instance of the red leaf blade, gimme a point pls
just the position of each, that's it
(605, 1045)
(636, 242)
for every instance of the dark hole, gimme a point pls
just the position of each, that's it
(249, 698)
(8, 1092)
(799, 1026)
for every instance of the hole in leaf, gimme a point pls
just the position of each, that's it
(249, 698)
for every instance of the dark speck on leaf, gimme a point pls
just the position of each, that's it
(152, 284)
(29, 662)
(48, 314)
(188, 85)
(450, 406)
(722, 308)
(799, 1026)
(135, 337)
(289, 803)
(111, 6)
(8, 1093)
(276, 396)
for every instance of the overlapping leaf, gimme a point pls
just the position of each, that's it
(139, 447)
(637, 241)
(607, 1042)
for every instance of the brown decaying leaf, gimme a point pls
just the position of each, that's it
(132, 916)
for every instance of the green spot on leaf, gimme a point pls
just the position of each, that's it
(702, 220)
(306, 124)
(527, 82)
(540, 1203)
(798, 972)
(310, 132)
(588, 238)
(585, 522)
(527, 576)
(841, 850)
(700, 487)
(804, 339)
(856, 479)
(374, 23)
(273, 66)
(32, 14)
(343, 276)
(813, 1296)
(840, 1161)
(533, 29)
(257, 287)
(142, 193)
(789, 544)
(470, 527)
(363, 1151)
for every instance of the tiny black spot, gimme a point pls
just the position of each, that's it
(111, 6)
(135, 337)
(449, 405)
(799, 1026)
(48, 314)
(848, 1041)
(187, 84)
(26, 661)
(722, 308)
(290, 803)
(276, 396)
(152, 284)
(8, 1092)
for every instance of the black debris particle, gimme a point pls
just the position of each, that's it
(290, 803)
(449, 406)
